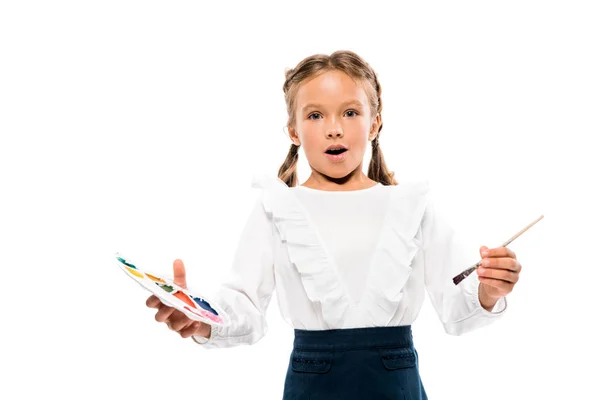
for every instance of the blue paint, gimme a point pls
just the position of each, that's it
(202, 303)
(126, 263)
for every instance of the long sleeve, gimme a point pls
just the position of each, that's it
(445, 256)
(246, 293)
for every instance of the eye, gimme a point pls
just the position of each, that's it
(310, 115)
(352, 111)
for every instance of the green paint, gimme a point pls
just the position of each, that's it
(166, 288)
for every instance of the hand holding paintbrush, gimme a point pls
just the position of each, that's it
(498, 270)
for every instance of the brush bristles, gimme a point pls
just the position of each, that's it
(459, 278)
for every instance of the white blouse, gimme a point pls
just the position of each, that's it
(346, 259)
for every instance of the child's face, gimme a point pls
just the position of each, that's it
(332, 109)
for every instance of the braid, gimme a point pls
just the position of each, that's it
(378, 170)
(287, 171)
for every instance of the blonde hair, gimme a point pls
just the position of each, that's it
(358, 69)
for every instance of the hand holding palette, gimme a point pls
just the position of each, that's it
(172, 295)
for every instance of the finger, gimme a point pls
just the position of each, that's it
(501, 252)
(499, 274)
(153, 302)
(482, 251)
(179, 273)
(164, 312)
(503, 288)
(189, 330)
(507, 263)
(178, 321)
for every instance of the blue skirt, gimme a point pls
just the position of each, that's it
(361, 363)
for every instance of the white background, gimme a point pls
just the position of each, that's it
(136, 126)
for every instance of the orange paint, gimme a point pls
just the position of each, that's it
(185, 298)
(154, 278)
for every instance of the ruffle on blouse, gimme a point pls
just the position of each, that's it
(391, 263)
(305, 249)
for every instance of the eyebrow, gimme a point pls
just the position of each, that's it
(313, 105)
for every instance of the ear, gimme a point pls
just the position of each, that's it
(294, 136)
(375, 124)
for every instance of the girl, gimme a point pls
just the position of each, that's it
(349, 254)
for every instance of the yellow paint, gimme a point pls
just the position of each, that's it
(135, 273)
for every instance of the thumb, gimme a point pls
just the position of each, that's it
(483, 249)
(179, 274)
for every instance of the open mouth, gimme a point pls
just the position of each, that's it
(336, 151)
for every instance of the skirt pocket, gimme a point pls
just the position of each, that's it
(308, 375)
(403, 380)
(317, 362)
(398, 358)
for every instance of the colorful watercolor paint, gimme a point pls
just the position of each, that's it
(184, 297)
(126, 263)
(165, 287)
(155, 279)
(205, 314)
(135, 273)
(204, 304)
(194, 307)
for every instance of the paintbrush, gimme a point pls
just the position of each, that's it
(459, 278)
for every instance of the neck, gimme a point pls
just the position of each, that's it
(354, 180)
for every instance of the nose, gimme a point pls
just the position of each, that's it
(335, 130)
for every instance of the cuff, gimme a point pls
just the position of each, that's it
(200, 339)
(214, 332)
(499, 307)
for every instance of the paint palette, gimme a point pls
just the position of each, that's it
(172, 295)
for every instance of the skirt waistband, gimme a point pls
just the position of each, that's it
(354, 338)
